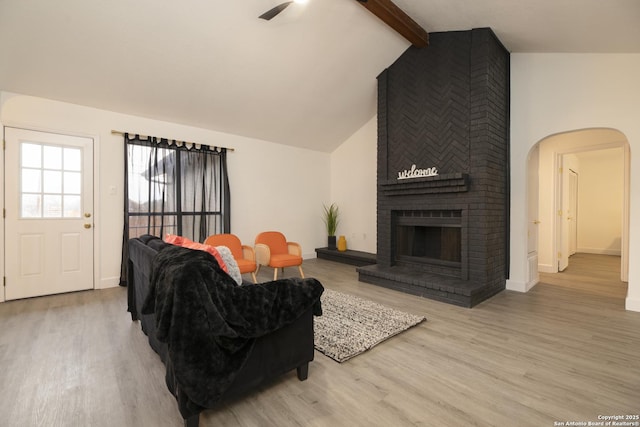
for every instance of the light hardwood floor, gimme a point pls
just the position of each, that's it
(565, 351)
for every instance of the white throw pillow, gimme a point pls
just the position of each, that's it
(230, 261)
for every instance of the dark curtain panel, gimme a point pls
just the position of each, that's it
(173, 188)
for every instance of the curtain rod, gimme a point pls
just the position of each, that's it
(118, 132)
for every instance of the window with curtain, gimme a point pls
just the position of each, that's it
(173, 188)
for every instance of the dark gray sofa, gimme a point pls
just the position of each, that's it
(290, 346)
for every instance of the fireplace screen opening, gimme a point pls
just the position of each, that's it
(426, 243)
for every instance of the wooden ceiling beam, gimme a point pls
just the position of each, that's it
(393, 16)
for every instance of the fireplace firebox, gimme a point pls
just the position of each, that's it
(425, 238)
(430, 241)
(425, 243)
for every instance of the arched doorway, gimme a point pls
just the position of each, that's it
(552, 177)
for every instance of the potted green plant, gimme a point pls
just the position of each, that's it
(330, 218)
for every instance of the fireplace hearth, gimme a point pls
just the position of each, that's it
(443, 158)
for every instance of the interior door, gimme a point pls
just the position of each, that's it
(572, 212)
(562, 225)
(49, 208)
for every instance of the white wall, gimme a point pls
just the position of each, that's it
(553, 93)
(273, 186)
(600, 201)
(353, 187)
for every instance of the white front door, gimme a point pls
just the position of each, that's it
(49, 213)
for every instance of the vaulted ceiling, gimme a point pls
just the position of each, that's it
(306, 78)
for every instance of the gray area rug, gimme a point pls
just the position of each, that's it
(350, 325)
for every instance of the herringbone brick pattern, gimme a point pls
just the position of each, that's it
(428, 110)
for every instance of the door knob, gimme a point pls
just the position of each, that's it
(87, 226)
(87, 215)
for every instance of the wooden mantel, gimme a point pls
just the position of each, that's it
(393, 16)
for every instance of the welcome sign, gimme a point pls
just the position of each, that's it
(417, 173)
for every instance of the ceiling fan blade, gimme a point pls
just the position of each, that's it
(276, 10)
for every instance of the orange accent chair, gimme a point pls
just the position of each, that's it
(243, 254)
(273, 250)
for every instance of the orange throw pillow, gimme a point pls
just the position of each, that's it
(187, 243)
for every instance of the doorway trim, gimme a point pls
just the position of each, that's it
(585, 144)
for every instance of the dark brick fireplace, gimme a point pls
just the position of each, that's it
(443, 159)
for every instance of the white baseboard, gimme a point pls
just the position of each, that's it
(547, 268)
(632, 304)
(519, 286)
(600, 251)
(109, 282)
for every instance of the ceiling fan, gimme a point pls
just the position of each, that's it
(272, 13)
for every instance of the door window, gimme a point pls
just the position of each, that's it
(51, 181)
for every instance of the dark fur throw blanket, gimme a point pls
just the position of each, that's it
(210, 323)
